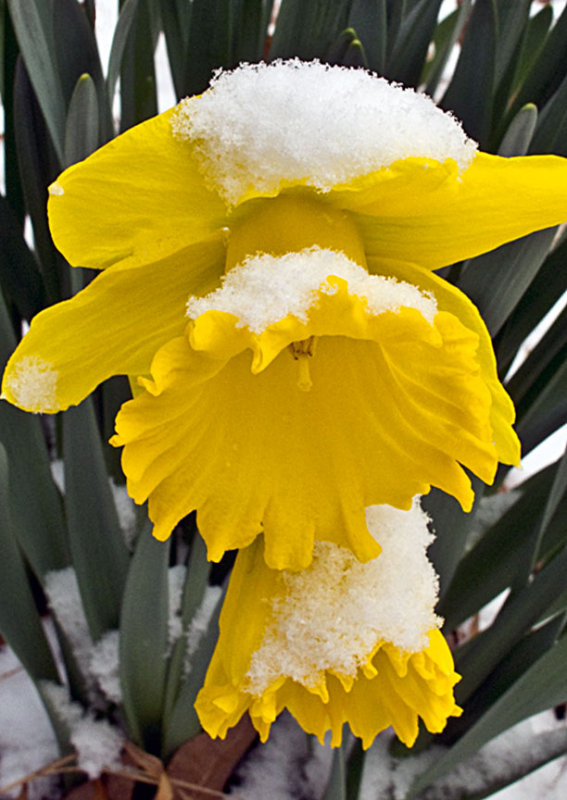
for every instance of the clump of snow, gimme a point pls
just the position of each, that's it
(266, 124)
(97, 743)
(175, 580)
(331, 615)
(64, 599)
(58, 474)
(266, 288)
(126, 510)
(200, 623)
(104, 665)
(27, 742)
(33, 384)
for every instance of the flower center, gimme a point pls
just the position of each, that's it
(290, 224)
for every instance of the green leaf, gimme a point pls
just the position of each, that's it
(446, 36)
(82, 126)
(20, 623)
(469, 94)
(19, 274)
(541, 687)
(545, 409)
(77, 55)
(512, 19)
(119, 39)
(34, 41)
(368, 18)
(144, 641)
(183, 722)
(35, 502)
(250, 29)
(336, 785)
(307, 30)
(176, 16)
(100, 556)
(551, 131)
(517, 138)
(410, 49)
(544, 291)
(492, 565)
(138, 95)
(210, 43)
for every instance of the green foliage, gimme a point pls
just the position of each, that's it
(509, 86)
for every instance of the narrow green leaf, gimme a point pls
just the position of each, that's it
(41, 66)
(249, 30)
(445, 38)
(336, 786)
(544, 291)
(20, 623)
(82, 127)
(354, 770)
(19, 274)
(8, 59)
(412, 43)
(183, 722)
(520, 612)
(451, 526)
(512, 19)
(551, 132)
(143, 641)
(35, 502)
(138, 95)
(496, 281)
(368, 18)
(545, 408)
(210, 43)
(100, 556)
(469, 94)
(119, 39)
(493, 564)
(307, 30)
(77, 54)
(541, 687)
(517, 138)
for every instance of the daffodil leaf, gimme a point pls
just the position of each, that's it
(37, 170)
(121, 32)
(36, 505)
(544, 291)
(143, 641)
(446, 35)
(251, 29)
(77, 54)
(36, 46)
(175, 16)
(336, 785)
(517, 138)
(410, 50)
(520, 612)
(183, 722)
(19, 274)
(469, 94)
(548, 71)
(541, 687)
(82, 126)
(210, 43)
(306, 30)
(20, 624)
(512, 19)
(551, 131)
(138, 96)
(494, 562)
(10, 55)
(100, 556)
(368, 19)
(354, 770)
(544, 409)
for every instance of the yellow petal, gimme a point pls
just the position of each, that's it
(114, 326)
(423, 211)
(451, 299)
(138, 199)
(396, 405)
(391, 695)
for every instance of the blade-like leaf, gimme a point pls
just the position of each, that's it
(19, 274)
(368, 19)
(121, 33)
(307, 30)
(82, 126)
(100, 556)
(34, 43)
(410, 50)
(469, 94)
(446, 36)
(143, 641)
(336, 785)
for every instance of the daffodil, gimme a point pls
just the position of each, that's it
(339, 642)
(331, 369)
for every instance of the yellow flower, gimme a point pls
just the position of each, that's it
(339, 642)
(325, 164)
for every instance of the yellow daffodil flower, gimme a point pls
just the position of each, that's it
(339, 642)
(326, 197)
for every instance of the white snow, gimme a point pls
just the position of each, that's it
(104, 665)
(200, 623)
(263, 125)
(33, 383)
(266, 288)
